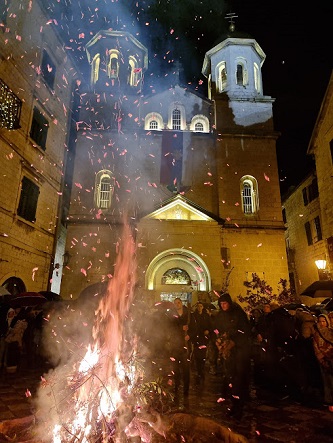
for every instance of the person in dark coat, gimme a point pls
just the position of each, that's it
(181, 347)
(233, 340)
(6, 317)
(200, 328)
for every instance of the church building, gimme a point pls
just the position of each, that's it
(195, 177)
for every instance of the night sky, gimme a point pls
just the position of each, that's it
(296, 41)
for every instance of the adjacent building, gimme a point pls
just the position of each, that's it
(308, 208)
(37, 84)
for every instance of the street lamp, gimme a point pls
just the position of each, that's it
(321, 265)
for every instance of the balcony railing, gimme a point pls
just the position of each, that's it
(10, 108)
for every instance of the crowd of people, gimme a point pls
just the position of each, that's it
(291, 353)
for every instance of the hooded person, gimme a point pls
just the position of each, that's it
(323, 349)
(233, 340)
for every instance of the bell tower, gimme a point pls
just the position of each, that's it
(116, 59)
(248, 182)
(117, 63)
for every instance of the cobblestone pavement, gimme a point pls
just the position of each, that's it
(266, 419)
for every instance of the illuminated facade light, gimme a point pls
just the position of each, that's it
(321, 264)
(10, 108)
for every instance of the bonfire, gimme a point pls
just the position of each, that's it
(104, 395)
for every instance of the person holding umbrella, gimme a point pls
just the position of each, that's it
(14, 338)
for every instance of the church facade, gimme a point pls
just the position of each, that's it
(196, 177)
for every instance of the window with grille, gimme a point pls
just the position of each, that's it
(199, 127)
(176, 119)
(247, 198)
(28, 200)
(105, 193)
(48, 69)
(249, 195)
(154, 121)
(103, 189)
(199, 123)
(39, 128)
(153, 125)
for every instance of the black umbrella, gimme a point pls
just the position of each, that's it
(320, 288)
(51, 296)
(94, 291)
(26, 299)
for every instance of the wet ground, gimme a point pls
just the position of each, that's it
(267, 418)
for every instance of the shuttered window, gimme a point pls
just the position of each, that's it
(307, 227)
(28, 200)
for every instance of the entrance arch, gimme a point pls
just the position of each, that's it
(182, 259)
(14, 285)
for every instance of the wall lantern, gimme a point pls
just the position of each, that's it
(66, 258)
(321, 266)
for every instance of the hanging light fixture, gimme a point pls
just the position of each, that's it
(321, 266)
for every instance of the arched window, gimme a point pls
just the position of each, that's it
(199, 127)
(241, 72)
(95, 69)
(176, 117)
(199, 123)
(153, 125)
(257, 78)
(221, 76)
(249, 195)
(113, 64)
(103, 189)
(154, 122)
(134, 72)
(176, 120)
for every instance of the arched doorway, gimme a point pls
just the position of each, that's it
(177, 273)
(14, 285)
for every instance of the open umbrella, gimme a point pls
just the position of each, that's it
(26, 299)
(320, 288)
(51, 296)
(165, 306)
